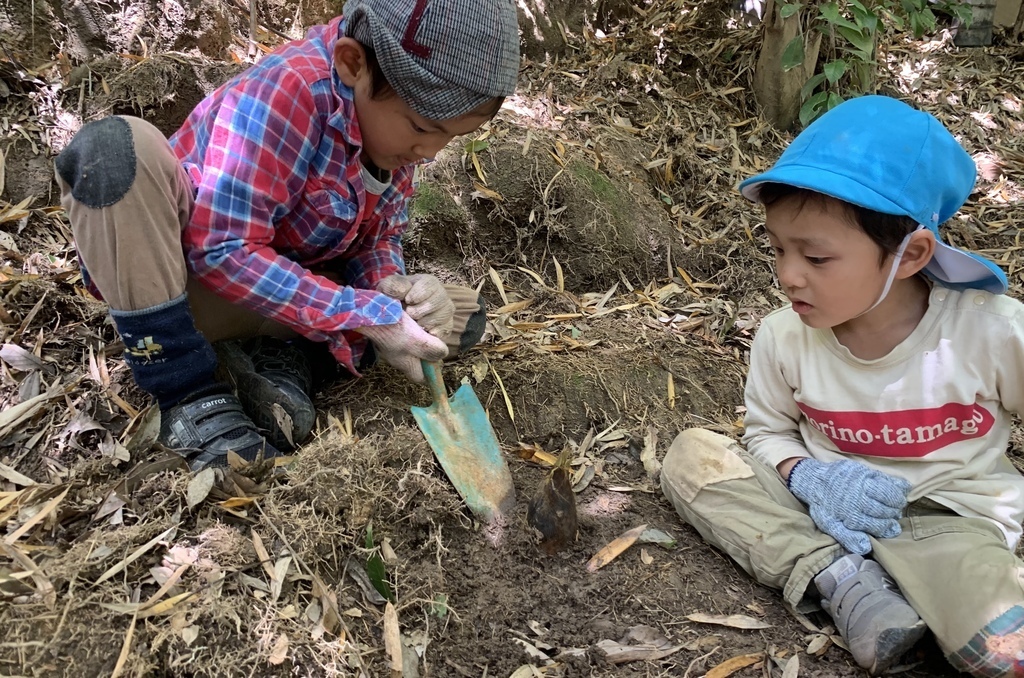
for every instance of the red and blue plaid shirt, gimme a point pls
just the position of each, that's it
(274, 157)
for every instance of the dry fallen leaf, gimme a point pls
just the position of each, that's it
(734, 664)
(819, 645)
(792, 669)
(736, 621)
(280, 650)
(137, 553)
(533, 453)
(393, 638)
(199, 487)
(20, 358)
(126, 646)
(649, 455)
(614, 548)
(496, 279)
(641, 643)
(8, 473)
(189, 634)
(165, 606)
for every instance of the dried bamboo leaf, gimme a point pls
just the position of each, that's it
(171, 581)
(614, 548)
(534, 275)
(8, 473)
(126, 647)
(514, 307)
(280, 572)
(393, 639)
(736, 621)
(504, 393)
(734, 664)
(14, 416)
(533, 453)
(37, 518)
(43, 585)
(264, 556)
(166, 606)
(166, 534)
(496, 279)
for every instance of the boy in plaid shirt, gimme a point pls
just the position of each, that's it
(275, 215)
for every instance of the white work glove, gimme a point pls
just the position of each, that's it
(404, 344)
(424, 298)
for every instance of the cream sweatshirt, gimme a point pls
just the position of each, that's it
(937, 410)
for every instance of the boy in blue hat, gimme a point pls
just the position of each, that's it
(275, 214)
(873, 475)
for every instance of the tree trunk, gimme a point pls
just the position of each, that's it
(545, 24)
(778, 91)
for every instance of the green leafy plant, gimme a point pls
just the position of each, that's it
(376, 570)
(850, 31)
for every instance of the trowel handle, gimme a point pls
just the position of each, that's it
(435, 382)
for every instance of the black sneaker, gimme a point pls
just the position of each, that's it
(274, 383)
(209, 423)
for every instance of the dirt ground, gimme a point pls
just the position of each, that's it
(624, 276)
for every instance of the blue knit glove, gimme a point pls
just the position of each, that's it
(850, 501)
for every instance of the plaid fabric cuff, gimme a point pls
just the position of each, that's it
(997, 650)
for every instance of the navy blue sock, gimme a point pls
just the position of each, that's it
(168, 356)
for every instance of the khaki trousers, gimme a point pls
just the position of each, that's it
(131, 248)
(956, 572)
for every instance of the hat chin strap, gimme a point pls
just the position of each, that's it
(892, 272)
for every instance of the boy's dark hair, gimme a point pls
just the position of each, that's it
(885, 230)
(380, 88)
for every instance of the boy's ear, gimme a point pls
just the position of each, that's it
(350, 61)
(918, 253)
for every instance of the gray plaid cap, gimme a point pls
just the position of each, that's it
(443, 57)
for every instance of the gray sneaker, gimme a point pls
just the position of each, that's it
(872, 616)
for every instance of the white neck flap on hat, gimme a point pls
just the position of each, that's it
(892, 271)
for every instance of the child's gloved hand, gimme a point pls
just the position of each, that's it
(424, 299)
(850, 501)
(404, 344)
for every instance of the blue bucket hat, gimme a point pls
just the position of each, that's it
(881, 154)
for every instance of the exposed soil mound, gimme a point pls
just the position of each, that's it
(552, 202)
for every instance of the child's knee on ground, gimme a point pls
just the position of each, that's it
(698, 458)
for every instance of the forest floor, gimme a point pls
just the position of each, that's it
(597, 213)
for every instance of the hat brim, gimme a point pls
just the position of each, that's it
(822, 181)
(950, 266)
(958, 269)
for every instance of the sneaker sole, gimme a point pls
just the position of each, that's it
(893, 644)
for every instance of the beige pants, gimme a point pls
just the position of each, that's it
(132, 249)
(956, 572)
